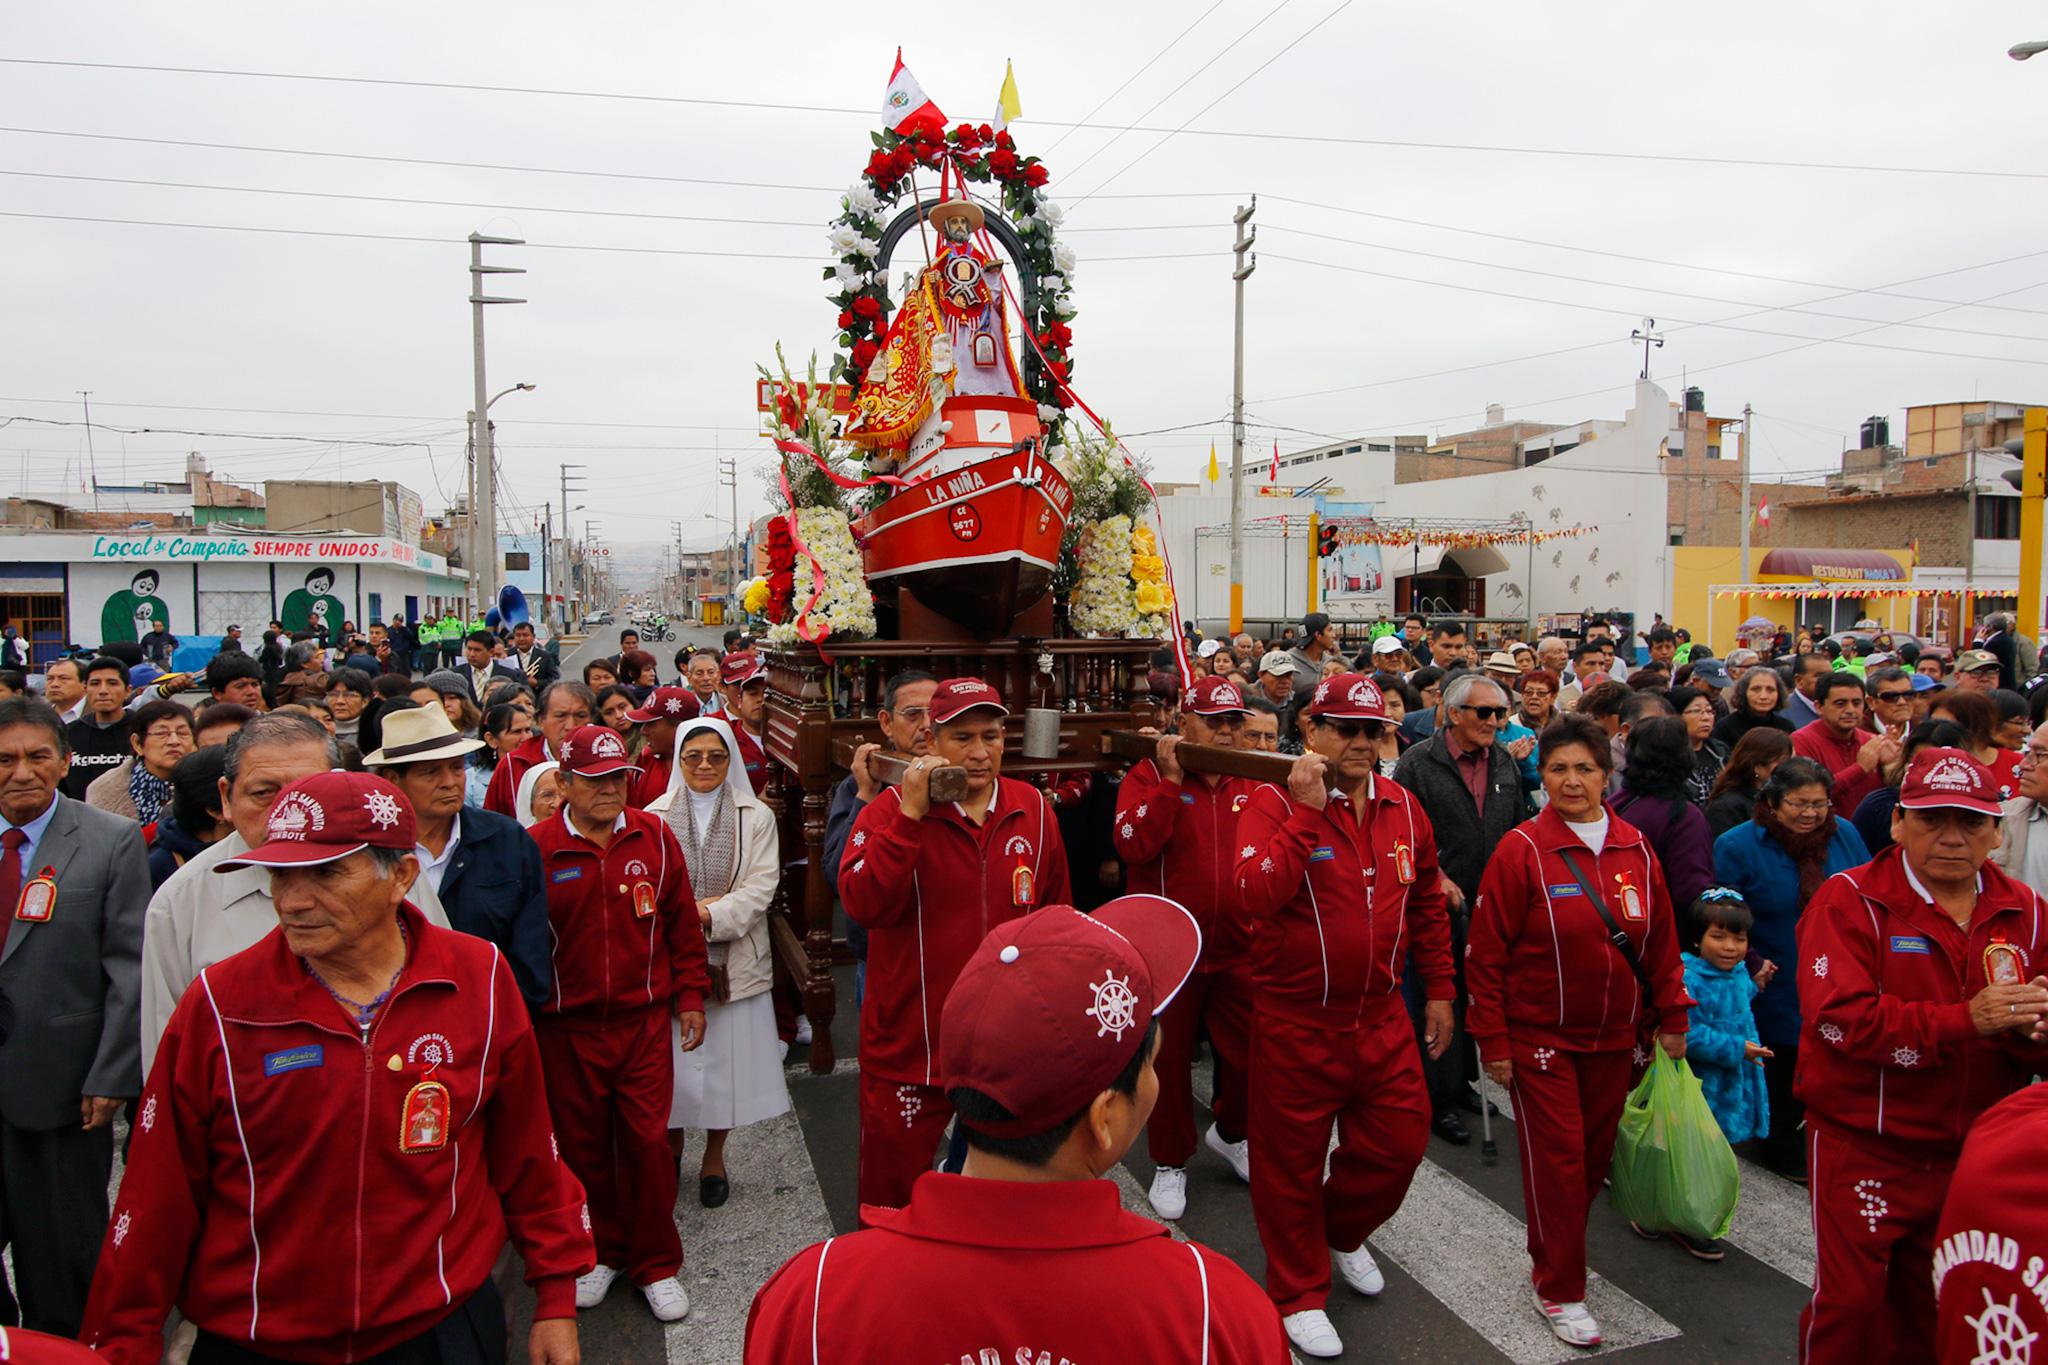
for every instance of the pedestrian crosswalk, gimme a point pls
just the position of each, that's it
(1456, 1264)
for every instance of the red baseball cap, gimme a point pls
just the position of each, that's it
(595, 751)
(328, 816)
(956, 695)
(1052, 1007)
(739, 668)
(1347, 696)
(1948, 779)
(1215, 697)
(666, 703)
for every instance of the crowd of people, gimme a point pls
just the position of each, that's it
(356, 899)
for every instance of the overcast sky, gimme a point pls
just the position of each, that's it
(644, 360)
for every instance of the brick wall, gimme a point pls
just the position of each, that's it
(1938, 520)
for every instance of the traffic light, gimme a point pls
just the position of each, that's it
(1326, 542)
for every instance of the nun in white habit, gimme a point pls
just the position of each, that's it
(729, 840)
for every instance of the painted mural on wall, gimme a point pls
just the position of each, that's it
(1355, 574)
(314, 607)
(130, 613)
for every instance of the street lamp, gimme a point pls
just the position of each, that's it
(2019, 52)
(483, 527)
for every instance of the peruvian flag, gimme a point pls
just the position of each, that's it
(1763, 512)
(1273, 470)
(906, 107)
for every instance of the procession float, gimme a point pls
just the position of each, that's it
(944, 499)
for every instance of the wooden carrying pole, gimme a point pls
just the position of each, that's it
(1202, 758)
(947, 784)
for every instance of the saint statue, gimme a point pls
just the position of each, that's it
(949, 339)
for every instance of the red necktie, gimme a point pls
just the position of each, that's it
(10, 879)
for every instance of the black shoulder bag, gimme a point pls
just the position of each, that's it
(1615, 933)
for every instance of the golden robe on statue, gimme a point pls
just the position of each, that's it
(951, 337)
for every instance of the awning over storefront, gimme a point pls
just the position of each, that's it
(1473, 561)
(1849, 566)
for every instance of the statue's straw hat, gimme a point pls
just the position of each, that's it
(957, 208)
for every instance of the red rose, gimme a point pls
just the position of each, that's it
(1036, 174)
(867, 306)
(967, 137)
(1060, 335)
(845, 319)
(878, 164)
(1002, 164)
(1005, 141)
(985, 133)
(864, 355)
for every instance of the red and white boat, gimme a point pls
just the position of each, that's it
(976, 535)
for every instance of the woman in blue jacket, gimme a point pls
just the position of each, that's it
(1776, 861)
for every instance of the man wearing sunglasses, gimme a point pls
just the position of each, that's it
(1338, 885)
(1177, 833)
(1469, 785)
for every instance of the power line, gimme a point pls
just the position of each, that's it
(868, 113)
(807, 224)
(1150, 109)
(498, 166)
(1642, 260)
(384, 416)
(1801, 308)
(1125, 84)
(813, 258)
(1631, 313)
(1346, 4)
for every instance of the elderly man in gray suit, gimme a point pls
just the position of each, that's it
(74, 882)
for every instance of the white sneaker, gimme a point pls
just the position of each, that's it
(1238, 1154)
(667, 1299)
(1312, 1335)
(592, 1287)
(1571, 1322)
(1361, 1271)
(1169, 1192)
(803, 1029)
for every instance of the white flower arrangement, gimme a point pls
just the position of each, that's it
(861, 199)
(844, 605)
(1104, 602)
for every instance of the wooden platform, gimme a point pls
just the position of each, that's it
(1097, 685)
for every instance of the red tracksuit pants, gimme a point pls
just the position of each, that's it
(901, 1124)
(1368, 1081)
(609, 1092)
(1219, 1003)
(1567, 1106)
(1873, 1227)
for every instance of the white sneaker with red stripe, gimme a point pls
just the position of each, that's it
(1571, 1322)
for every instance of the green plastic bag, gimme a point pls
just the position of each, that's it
(1673, 1170)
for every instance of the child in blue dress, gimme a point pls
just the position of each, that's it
(1722, 1041)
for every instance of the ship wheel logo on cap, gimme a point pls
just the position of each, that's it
(1116, 1005)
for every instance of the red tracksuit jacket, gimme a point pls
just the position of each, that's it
(1069, 1260)
(1539, 963)
(503, 791)
(928, 891)
(1992, 1244)
(627, 936)
(653, 780)
(1179, 840)
(1890, 1058)
(1334, 904)
(266, 1195)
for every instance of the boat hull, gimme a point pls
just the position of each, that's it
(978, 545)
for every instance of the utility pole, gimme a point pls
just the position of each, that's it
(566, 524)
(679, 595)
(729, 477)
(1245, 265)
(1742, 564)
(91, 460)
(483, 511)
(547, 530)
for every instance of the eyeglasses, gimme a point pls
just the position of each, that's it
(705, 760)
(916, 715)
(1352, 729)
(167, 732)
(2030, 754)
(1807, 807)
(1487, 712)
(1906, 695)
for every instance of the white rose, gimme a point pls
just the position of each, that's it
(1051, 214)
(843, 238)
(861, 199)
(1063, 256)
(1064, 307)
(868, 247)
(848, 277)
(1051, 284)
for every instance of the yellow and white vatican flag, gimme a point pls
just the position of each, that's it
(1008, 106)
